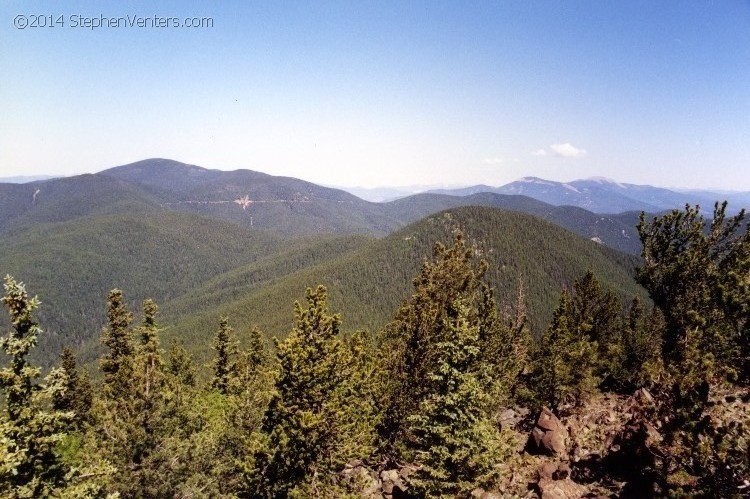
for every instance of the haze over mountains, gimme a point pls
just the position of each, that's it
(603, 195)
(203, 242)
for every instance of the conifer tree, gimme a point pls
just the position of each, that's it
(306, 420)
(566, 360)
(133, 410)
(697, 275)
(78, 394)
(640, 355)
(597, 315)
(150, 427)
(420, 325)
(117, 363)
(29, 430)
(698, 278)
(224, 365)
(506, 346)
(181, 365)
(151, 365)
(256, 354)
(456, 445)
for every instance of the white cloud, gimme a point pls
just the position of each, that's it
(567, 150)
(539, 152)
(493, 161)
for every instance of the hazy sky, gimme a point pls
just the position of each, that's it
(385, 93)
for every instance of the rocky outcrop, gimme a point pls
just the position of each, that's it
(555, 483)
(549, 435)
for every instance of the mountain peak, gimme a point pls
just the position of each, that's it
(152, 164)
(536, 180)
(604, 180)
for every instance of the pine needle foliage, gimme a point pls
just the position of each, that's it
(411, 339)
(117, 337)
(30, 429)
(565, 361)
(310, 419)
(224, 364)
(456, 445)
(78, 394)
(697, 274)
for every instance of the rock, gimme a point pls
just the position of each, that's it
(553, 470)
(394, 481)
(388, 477)
(560, 489)
(644, 397)
(549, 434)
(363, 479)
(507, 418)
(547, 470)
(562, 472)
(483, 494)
(554, 442)
(547, 421)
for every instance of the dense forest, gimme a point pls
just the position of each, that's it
(619, 396)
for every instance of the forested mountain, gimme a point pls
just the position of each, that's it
(286, 206)
(614, 231)
(23, 206)
(205, 241)
(410, 368)
(369, 282)
(159, 255)
(251, 199)
(199, 267)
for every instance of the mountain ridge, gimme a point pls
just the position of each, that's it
(255, 200)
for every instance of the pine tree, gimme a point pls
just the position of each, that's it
(117, 363)
(78, 394)
(306, 420)
(151, 365)
(565, 361)
(698, 278)
(181, 365)
(132, 414)
(506, 346)
(224, 365)
(256, 354)
(697, 275)
(456, 444)
(29, 430)
(411, 339)
(597, 314)
(639, 362)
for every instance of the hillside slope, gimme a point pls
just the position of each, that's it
(614, 231)
(368, 284)
(253, 199)
(73, 265)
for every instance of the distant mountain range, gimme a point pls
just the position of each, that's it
(602, 195)
(22, 179)
(286, 206)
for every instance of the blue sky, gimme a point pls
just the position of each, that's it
(387, 93)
